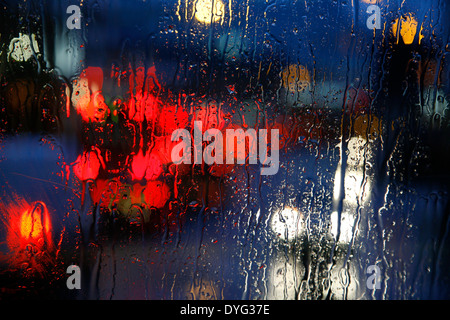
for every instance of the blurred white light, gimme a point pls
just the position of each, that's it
(347, 223)
(284, 276)
(287, 224)
(21, 48)
(357, 188)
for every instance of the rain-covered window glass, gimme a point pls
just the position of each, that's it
(223, 149)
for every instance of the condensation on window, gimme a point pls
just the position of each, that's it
(220, 149)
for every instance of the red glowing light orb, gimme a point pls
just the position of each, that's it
(148, 166)
(87, 166)
(139, 165)
(94, 75)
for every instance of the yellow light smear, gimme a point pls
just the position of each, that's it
(407, 29)
(205, 13)
(421, 36)
(231, 13)
(178, 10)
(31, 224)
(295, 78)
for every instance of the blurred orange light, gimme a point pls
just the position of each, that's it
(296, 78)
(87, 166)
(35, 223)
(408, 28)
(29, 236)
(87, 96)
